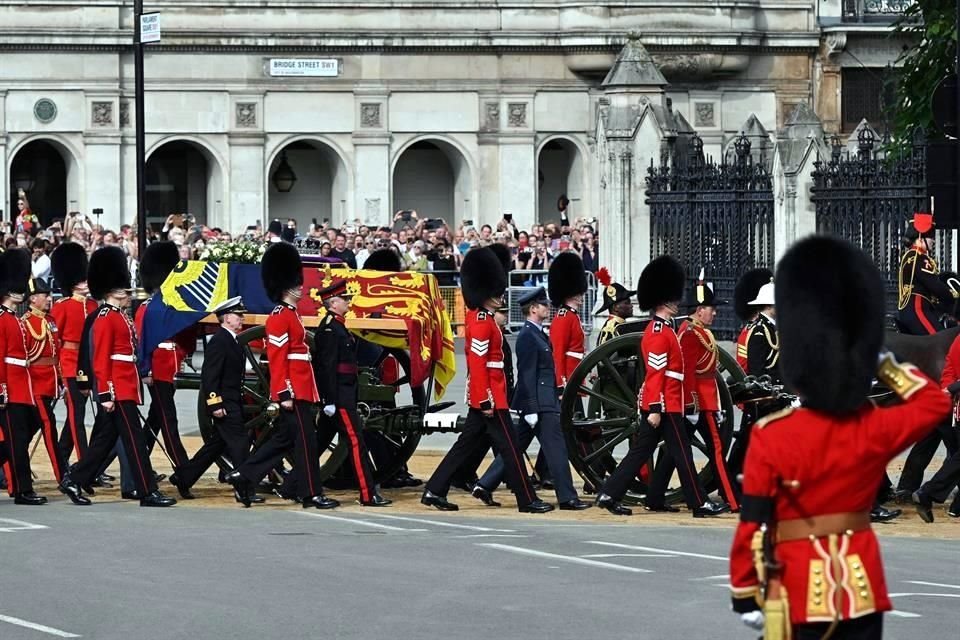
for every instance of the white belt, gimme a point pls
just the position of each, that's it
(574, 354)
(675, 375)
(123, 357)
(16, 361)
(299, 356)
(167, 346)
(495, 365)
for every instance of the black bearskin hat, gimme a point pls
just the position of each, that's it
(660, 282)
(159, 259)
(566, 278)
(108, 271)
(280, 269)
(830, 317)
(502, 252)
(16, 272)
(68, 262)
(746, 290)
(383, 260)
(481, 277)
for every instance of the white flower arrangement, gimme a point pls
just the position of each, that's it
(238, 251)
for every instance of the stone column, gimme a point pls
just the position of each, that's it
(4, 166)
(799, 144)
(101, 158)
(372, 179)
(248, 188)
(518, 181)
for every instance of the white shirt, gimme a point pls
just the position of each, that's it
(41, 267)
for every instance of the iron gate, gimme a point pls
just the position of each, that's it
(715, 216)
(869, 198)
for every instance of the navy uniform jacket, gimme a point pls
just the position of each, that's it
(536, 390)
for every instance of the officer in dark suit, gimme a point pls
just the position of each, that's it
(222, 383)
(763, 345)
(536, 399)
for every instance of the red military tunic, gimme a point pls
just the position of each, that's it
(742, 341)
(567, 340)
(168, 357)
(15, 383)
(68, 315)
(291, 374)
(699, 349)
(803, 464)
(486, 381)
(662, 390)
(42, 353)
(113, 356)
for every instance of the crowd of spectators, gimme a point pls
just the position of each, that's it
(422, 243)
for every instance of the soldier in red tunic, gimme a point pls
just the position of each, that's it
(661, 401)
(69, 267)
(16, 389)
(804, 551)
(111, 345)
(702, 397)
(158, 261)
(292, 384)
(42, 354)
(483, 283)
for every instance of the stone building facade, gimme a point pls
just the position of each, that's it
(461, 110)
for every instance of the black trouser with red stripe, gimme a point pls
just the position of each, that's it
(230, 437)
(17, 422)
(74, 434)
(476, 431)
(673, 431)
(122, 422)
(45, 422)
(162, 418)
(346, 421)
(294, 428)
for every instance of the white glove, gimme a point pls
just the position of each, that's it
(694, 418)
(329, 410)
(753, 619)
(721, 416)
(531, 419)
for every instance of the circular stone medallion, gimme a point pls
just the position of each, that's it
(45, 110)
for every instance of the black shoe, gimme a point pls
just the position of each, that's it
(901, 496)
(924, 506)
(72, 490)
(131, 495)
(661, 508)
(376, 501)
(954, 511)
(255, 499)
(537, 506)
(463, 485)
(613, 506)
(29, 497)
(159, 477)
(547, 484)
(574, 505)
(101, 482)
(183, 490)
(241, 489)
(881, 514)
(157, 499)
(278, 491)
(589, 489)
(320, 502)
(88, 489)
(440, 502)
(484, 496)
(710, 509)
(107, 477)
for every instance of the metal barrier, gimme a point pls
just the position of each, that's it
(521, 282)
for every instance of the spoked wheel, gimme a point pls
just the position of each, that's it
(598, 412)
(259, 411)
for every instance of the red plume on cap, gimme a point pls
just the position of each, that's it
(923, 222)
(603, 276)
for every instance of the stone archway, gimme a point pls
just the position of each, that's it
(560, 171)
(321, 189)
(183, 177)
(47, 172)
(433, 177)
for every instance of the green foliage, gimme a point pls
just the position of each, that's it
(930, 25)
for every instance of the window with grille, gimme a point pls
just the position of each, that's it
(865, 93)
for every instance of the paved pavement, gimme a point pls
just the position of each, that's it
(115, 572)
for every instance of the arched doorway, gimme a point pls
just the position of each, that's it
(183, 177)
(433, 178)
(43, 169)
(319, 189)
(560, 170)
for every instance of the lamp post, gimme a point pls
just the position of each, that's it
(140, 135)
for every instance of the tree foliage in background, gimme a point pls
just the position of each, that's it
(930, 26)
